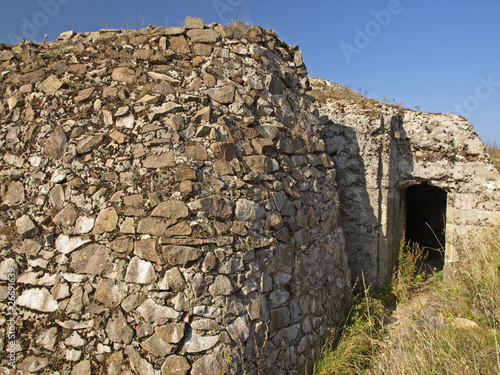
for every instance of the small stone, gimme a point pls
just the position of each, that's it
(74, 340)
(166, 108)
(181, 229)
(66, 244)
(55, 145)
(31, 364)
(118, 330)
(14, 160)
(82, 368)
(153, 226)
(66, 217)
(175, 365)
(157, 347)
(8, 269)
(154, 313)
(47, 339)
(50, 85)
(185, 173)
(178, 44)
(216, 206)
(174, 209)
(128, 226)
(37, 299)
(108, 293)
(93, 259)
(248, 211)
(122, 74)
(203, 36)
(163, 88)
(84, 95)
(196, 152)
(14, 194)
(118, 137)
(166, 159)
(56, 196)
(221, 286)
(239, 329)
(84, 225)
(26, 227)
(196, 343)
(173, 280)
(202, 324)
(138, 365)
(146, 249)
(140, 272)
(223, 95)
(263, 146)
(193, 23)
(88, 144)
(172, 333)
(126, 122)
(180, 255)
(106, 221)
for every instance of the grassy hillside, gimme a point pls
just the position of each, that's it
(494, 152)
(455, 334)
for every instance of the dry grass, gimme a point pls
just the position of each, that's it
(494, 152)
(474, 294)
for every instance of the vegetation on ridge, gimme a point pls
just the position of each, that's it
(461, 337)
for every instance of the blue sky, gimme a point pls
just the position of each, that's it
(434, 55)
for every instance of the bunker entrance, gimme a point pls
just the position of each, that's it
(426, 222)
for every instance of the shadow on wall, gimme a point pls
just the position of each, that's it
(374, 161)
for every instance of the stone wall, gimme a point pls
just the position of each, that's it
(379, 151)
(167, 204)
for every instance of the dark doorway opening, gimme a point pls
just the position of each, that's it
(426, 222)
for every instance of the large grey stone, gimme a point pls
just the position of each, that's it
(193, 23)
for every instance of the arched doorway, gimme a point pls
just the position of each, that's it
(426, 221)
